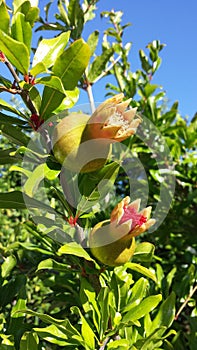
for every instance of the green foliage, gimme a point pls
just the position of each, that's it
(53, 293)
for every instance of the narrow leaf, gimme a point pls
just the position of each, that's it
(147, 305)
(21, 30)
(5, 18)
(141, 269)
(19, 200)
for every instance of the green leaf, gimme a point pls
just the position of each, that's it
(14, 134)
(32, 15)
(96, 185)
(38, 69)
(35, 97)
(39, 173)
(166, 313)
(53, 82)
(51, 100)
(99, 65)
(69, 101)
(5, 82)
(58, 335)
(16, 52)
(149, 89)
(139, 291)
(50, 264)
(7, 158)
(11, 120)
(18, 200)
(122, 344)
(50, 49)
(86, 331)
(29, 341)
(71, 64)
(141, 269)
(21, 30)
(144, 251)
(5, 18)
(74, 249)
(93, 41)
(7, 266)
(58, 329)
(147, 305)
(5, 105)
(76, 18)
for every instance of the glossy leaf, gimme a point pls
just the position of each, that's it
(139, 291)
(7, 158)
(144, 251)
(19, 200)
(29, 341)
(57, 335)
(76, 18)
(16, 52)
(5, 18)
(141, 269)
(38, 69)
(51, 100)
(32, 15)
(7, 266)
(35, 97)
(51, 264)
(38, 174)
(21, 30)
(14, 134)
(166, 313)
(69, 101)
(8, 107)
(49, 49)
(93, 41)
(53, 82)
(62, 329)
(86, 331)
(122, 344)
(147, 305)
(99, 65)
(74, 249)
(70, 65)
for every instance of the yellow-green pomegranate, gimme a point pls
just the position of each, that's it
(82, 143)
(112, 242)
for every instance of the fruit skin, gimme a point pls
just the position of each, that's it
(116, 253)
(112, 241)
(71, 148)
(82, 143)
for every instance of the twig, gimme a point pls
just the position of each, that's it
(107, 70)
(185, 302)
(90, 97)
(104, 343)
(23, 93)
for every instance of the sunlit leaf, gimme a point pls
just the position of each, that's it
(16, 52)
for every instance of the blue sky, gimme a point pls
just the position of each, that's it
(173, 22)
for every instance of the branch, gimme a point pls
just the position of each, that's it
(185, 302)
(108, 69)
(23, 93)
(90, 97)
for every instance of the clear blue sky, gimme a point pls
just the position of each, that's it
(173, 22)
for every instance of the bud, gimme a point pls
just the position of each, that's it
(112, 241)
(109, 123)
